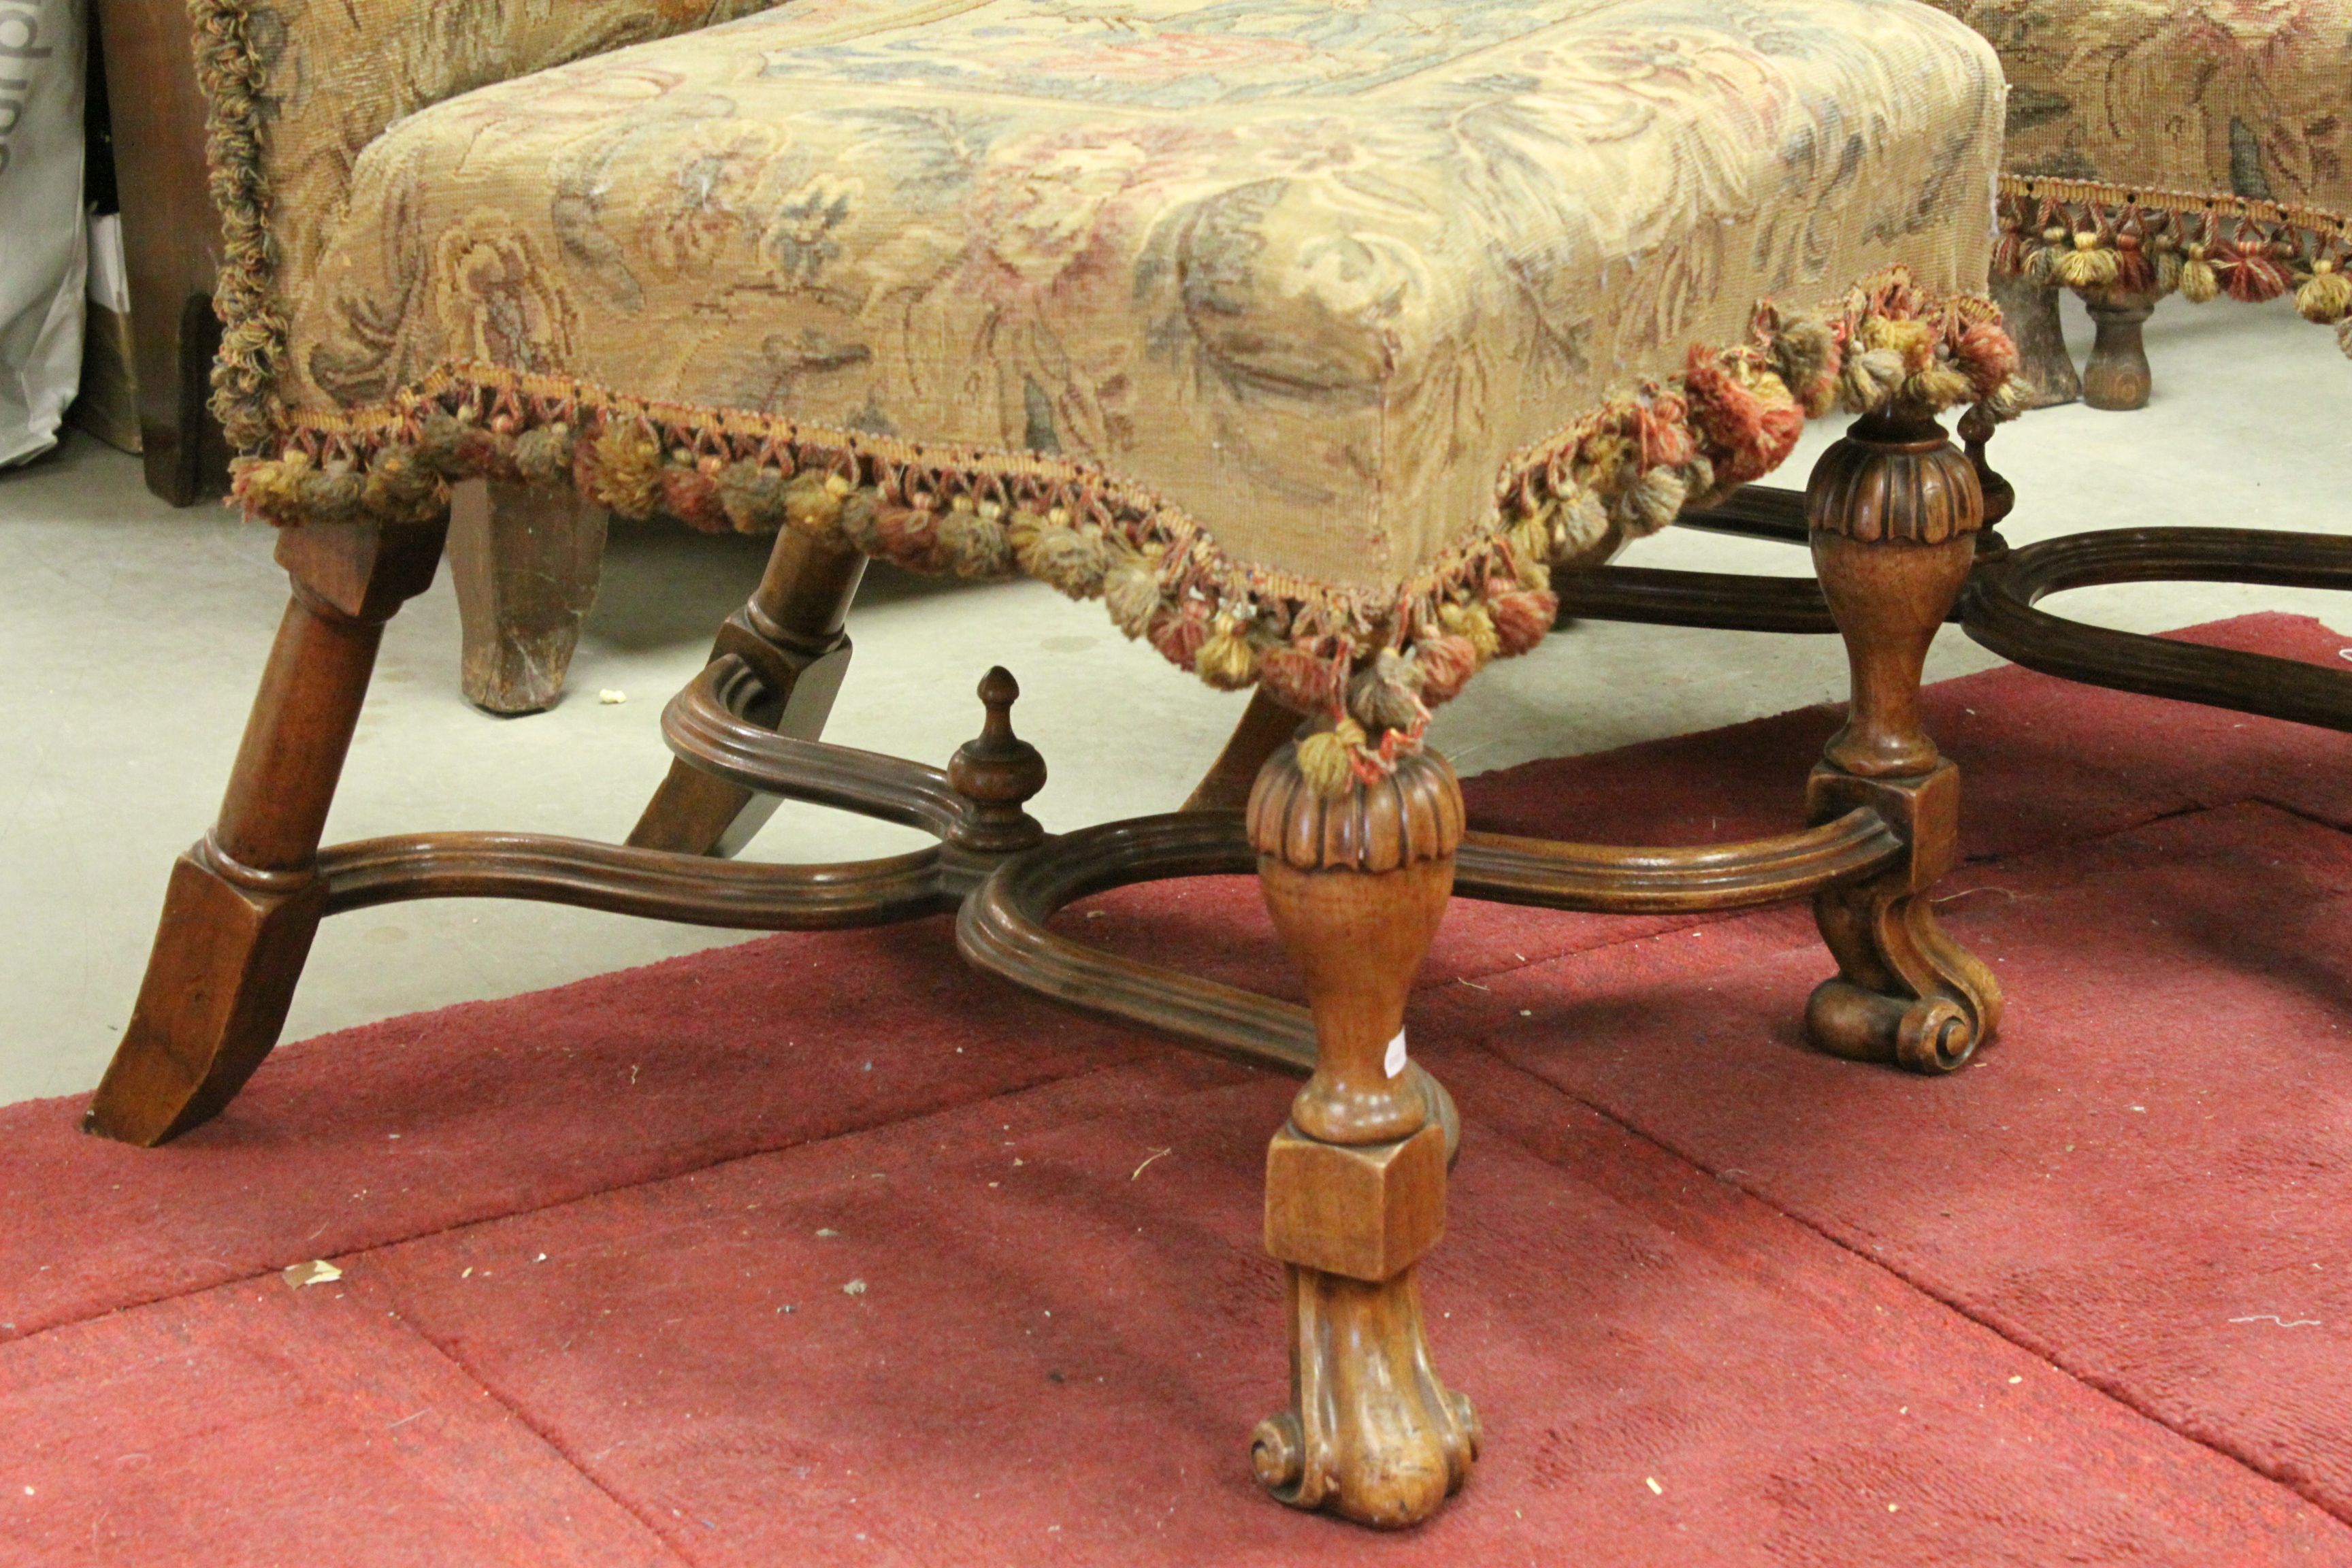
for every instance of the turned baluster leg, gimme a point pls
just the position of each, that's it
(2030, 311)
(1355, 1191)
(526, 563)
(2116, 376)
(1895, 511)
(243, 905)
(791, 635)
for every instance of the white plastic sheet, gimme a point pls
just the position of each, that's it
(44, 254)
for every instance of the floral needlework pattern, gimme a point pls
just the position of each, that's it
(2202, 147)
(1307, 333)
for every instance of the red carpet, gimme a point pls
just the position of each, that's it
(2088, 1301)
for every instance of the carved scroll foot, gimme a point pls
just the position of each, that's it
(1355, 1184)
(1905, 992)
(1894, 512)
(2116, 377)
(1371, 1433)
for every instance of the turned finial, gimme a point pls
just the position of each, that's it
(997, 772)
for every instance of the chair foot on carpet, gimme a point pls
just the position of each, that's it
(1895, 510)
(1357, 877)
(244, 905)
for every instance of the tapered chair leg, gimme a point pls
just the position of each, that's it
(791, 635)
(526, 563)
(1895, 510)
(243, 905)
(2030, 311)
(1264, 726)
(2116, 377)
(1355, 1193)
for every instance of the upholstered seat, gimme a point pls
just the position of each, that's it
(1292, 304)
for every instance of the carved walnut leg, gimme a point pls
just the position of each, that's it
(1354, 1191)
(526, 564)
(791, 635)
(2030, 311)
(2116, 376)
(243, 905)
(1895, 510)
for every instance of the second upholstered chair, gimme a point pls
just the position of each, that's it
(2189, 147)
(1307, 338)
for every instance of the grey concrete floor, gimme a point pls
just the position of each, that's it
(130, 636)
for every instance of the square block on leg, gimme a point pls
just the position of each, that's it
(1366, 1211)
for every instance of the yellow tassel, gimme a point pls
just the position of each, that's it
(2199, 284)
(2326, 295)
(275, 489)
(1325, 759)
(2089, 264)
(813, 502)
(1131, 591)
(1226, 660)
(1915, 340)
(1531, 539)
(1939, 386)
(628, 469)
(1473, 621)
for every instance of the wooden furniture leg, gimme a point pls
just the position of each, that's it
(1354, 1187)
(526, 564)
(791, 635)
(172, 240)
(1894, 510)
(2030, 311)
(1264, 725)
(243, 905)
(2116, 377)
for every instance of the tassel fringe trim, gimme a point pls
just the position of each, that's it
(2096, 239)
(1368, 666)
(1371, 665)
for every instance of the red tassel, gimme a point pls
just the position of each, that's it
(1984, 353)
(1179, 633)
(1447, 663)
(1746, 436)
(1301, 681)
(689, 496)
(2253, 275)
(1663, 428)
(1523, 617)
(910, 535)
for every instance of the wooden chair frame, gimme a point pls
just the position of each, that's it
(1356, 1181)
